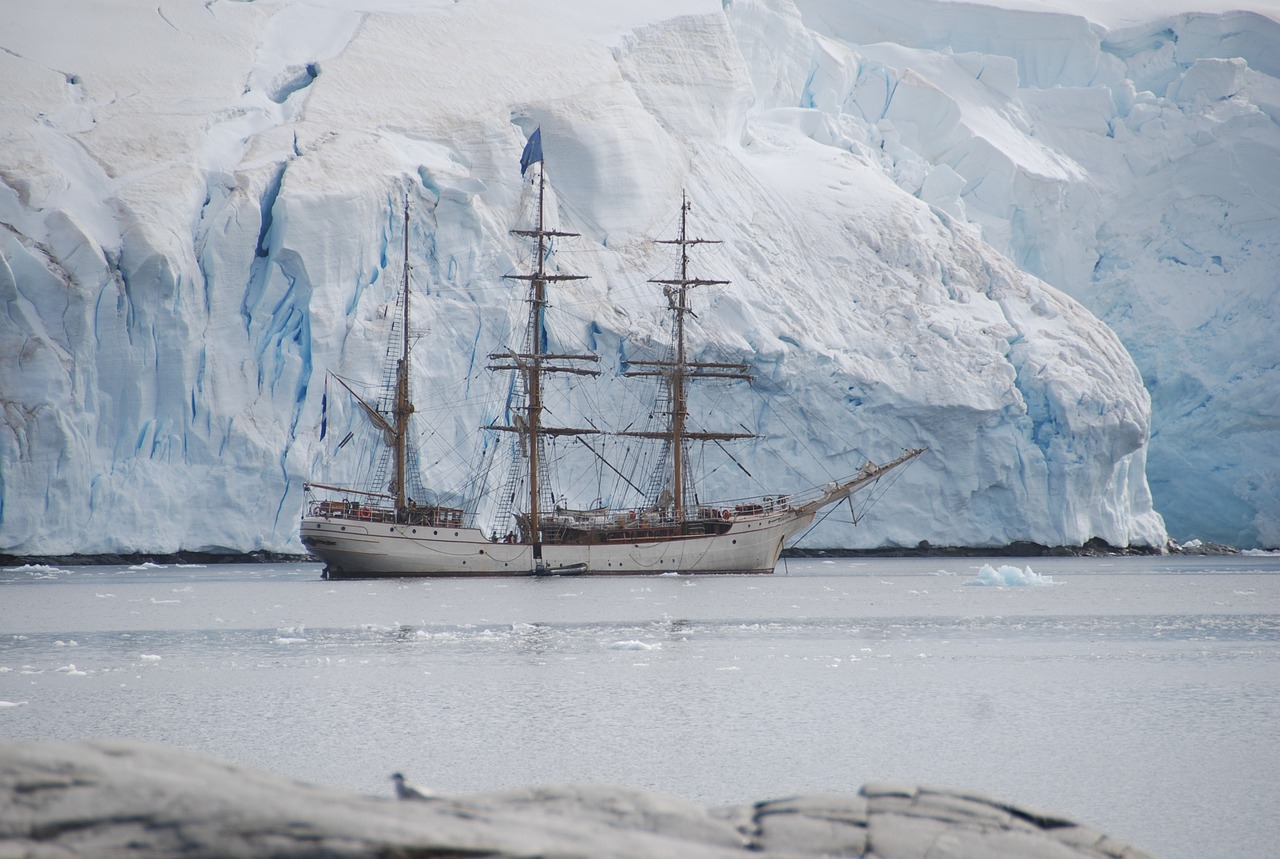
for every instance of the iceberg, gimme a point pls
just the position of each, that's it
(1112, 150)
(931, 237)
(1010, 576)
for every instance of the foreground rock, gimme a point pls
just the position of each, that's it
(115, 798)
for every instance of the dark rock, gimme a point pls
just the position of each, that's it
(182, 557)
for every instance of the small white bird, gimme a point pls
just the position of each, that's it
(406, 789)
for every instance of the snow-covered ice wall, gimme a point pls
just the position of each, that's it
(1128, 154)
(201, 212)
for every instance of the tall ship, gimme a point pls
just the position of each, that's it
(382, 532)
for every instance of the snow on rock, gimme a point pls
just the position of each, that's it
(202, 216)
(108, 798)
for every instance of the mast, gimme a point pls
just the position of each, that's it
(402, 406)
(680, 369)
(394, 426)
(534, 362)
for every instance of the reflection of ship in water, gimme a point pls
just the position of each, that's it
(372, 533)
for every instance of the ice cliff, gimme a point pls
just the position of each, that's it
(201, 216)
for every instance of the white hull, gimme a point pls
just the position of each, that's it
(355, 550)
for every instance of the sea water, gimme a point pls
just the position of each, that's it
(1139, 695)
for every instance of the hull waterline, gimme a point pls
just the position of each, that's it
(357, 550)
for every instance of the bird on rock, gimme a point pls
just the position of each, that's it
(406, 789)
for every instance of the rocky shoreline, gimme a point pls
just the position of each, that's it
(1091, 549)
(115, 798)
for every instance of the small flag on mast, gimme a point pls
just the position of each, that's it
(532, 151)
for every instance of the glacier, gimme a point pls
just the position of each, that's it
(1036, 240)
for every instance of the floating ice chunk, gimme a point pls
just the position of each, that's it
(5, 704)
(71, 671)
(289, 640)
(147, 565)
(38, 570)
(149, 657)
(633, 644)
(1007, 576)
(155, 601)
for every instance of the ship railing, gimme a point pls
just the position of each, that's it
(441, 517)
(562, 520)
(753, 505)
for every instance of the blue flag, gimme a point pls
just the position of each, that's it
(532, 150)
(324, 409)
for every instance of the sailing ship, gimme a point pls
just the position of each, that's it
(379, 533)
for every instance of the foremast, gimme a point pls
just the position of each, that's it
(402, 405)
(396, 430)
(535, 362)
(387, 496)
(677, 372)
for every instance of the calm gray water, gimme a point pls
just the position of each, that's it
(1141, 695)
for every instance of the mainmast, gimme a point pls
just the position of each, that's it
(402, 406)
(679, 370)
(534, 361)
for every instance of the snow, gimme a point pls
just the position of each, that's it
(927, 208)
